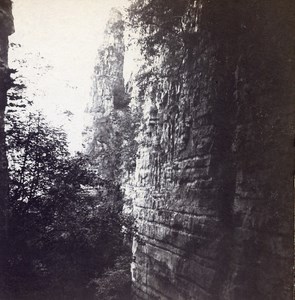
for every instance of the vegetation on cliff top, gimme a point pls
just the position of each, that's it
(163, 34)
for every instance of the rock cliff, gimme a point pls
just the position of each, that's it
(109, 101)
(213, 183)
(212, 187)
(6, 28)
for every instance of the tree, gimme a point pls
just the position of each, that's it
(65, 225)
(159, 22)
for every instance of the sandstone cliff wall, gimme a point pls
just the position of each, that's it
(212, 188)
(213, 181)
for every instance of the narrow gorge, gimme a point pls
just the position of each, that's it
(200, 138)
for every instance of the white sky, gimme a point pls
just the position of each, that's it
(64, 34)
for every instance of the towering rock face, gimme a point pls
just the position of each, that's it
(213, 181)
(6, 28)
(212, 189)
(109, 101)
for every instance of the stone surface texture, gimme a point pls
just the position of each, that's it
(6, 28)
(109, 101)
(212, 190)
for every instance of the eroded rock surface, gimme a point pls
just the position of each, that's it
(212, 189)
(213, 183)
(109, 101)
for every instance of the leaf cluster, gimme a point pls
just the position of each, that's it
(65, 221)
(159, 23)
(162, 35)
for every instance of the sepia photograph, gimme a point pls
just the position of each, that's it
(147, 149)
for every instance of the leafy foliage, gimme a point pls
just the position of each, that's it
(113, 148)
(115, 282)
(37, 153)
(65, 225)
(159, 23)
(163, 35)
(125, 127)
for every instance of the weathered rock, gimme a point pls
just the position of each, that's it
(109, 101)
(6, 28)
(212, 191)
